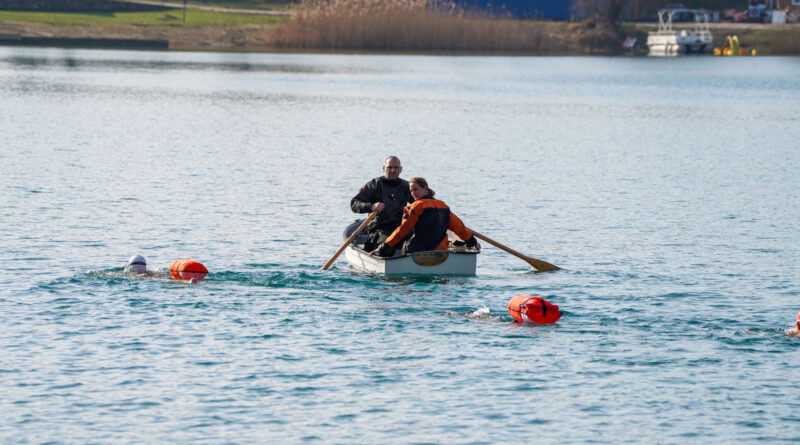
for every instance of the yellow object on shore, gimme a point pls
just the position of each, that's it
(732, 48)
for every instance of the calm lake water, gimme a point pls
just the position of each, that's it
(667, 189)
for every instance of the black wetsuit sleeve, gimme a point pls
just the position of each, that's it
(362, 202)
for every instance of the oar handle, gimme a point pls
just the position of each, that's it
(349, 240)
(498, 245)
(535, 263)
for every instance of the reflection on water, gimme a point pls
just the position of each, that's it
(65, 59)
(666, 189)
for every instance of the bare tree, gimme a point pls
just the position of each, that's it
(602, 12)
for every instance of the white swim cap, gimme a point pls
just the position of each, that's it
(137, 264)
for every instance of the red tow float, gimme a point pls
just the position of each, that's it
(532, 309)
(186, 269)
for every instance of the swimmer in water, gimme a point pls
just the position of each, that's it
(136, 265)
(137, 268)
(795, 330)
(482, 313)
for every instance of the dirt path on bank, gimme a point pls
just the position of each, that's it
(211, 8)
(726, 25)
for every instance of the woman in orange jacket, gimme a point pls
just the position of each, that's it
(425, 224)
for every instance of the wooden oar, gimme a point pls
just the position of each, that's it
(349, 240)
(537, 264)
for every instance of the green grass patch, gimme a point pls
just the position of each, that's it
(770, 41)
(172, 17)
(261, 5)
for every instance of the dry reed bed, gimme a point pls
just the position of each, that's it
(411, 25)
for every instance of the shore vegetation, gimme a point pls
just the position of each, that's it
(371, 26)
(413, 25)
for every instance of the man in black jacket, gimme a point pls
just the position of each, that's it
(388, 195)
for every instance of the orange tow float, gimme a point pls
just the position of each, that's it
(185, 269)
(531, 309)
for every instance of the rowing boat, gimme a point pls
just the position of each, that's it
(456, 261)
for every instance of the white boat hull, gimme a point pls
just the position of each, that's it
(679, 43)
(663, 44)
(420, 263)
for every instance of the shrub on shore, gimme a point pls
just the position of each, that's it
(413, 25)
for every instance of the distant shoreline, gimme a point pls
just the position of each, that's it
(768, 40)
(340, 26)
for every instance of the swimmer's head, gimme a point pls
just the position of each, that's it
(137, 264)
(797, 322)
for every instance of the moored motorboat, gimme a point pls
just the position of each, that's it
(666, 41)
(456, 261)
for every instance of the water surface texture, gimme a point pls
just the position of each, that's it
(667, 189)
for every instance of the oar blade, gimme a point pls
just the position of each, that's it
(542, 266)
(535, 263)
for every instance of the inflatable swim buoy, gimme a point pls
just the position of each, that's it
(185, 269)
(797, 323)
(531, 309)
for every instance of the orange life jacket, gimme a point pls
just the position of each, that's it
(429, 219)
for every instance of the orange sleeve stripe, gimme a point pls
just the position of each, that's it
(436, 204)
(410, 216)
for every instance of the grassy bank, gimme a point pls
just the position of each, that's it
(194, 17)
(779, 41)
(203, 30)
